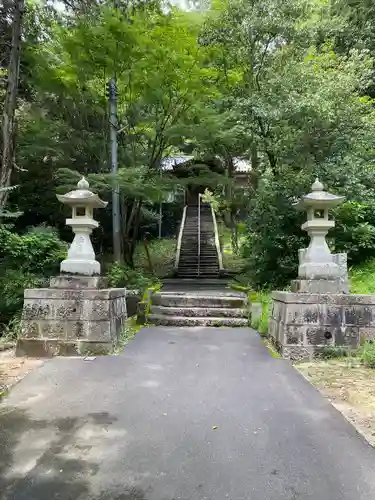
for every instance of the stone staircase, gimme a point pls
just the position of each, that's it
(191, 265)
(199, 308)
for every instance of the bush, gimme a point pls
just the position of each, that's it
(33, 252)
(121, 276)
(162, 255)
(362, 278)
(274, 237)
(355, 231)
(26, 261)
(367, 354)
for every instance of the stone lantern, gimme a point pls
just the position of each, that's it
(319, 311)
(81, 256)
(317, 262)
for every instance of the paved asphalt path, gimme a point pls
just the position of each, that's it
(139, 426)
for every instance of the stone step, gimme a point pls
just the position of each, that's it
(193, 250)
(187, 270)
(196, 283)
(188, 259)
(196, 321)
(199, 300)
(195, 275)
(202, 312)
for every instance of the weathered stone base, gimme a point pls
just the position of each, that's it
(319, 286)
(302, 324)
(46, 348)
(71, 321)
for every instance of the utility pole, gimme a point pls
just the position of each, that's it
(116, 229)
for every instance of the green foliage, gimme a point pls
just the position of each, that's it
(355, 231)
(26, 261)
(261, 323)
(286, 84)
(121, 276)
(273, 238)
(162, 255)
(130, 330)
(5, 213)
(362, 278)
(367, 354)
(34, 252)
(332, 352)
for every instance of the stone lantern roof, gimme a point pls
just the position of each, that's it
(318, 198)
(82, 196)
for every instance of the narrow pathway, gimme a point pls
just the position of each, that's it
(182, 414)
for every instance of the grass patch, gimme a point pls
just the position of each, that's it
(362, 278)
(12, 330)
(271, 349)
(264, 298)
(261, 323)
(336, 352)
(367, 354)
(130, 330)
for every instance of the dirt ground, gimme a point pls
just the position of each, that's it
(350, 387)
(13, 369)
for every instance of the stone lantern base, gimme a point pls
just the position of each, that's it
(303, 324)
(76, 316)
(320, 313)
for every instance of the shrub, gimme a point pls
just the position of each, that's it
(34, 252)
(362, 278)
(121, 276)
(26, 261)
(162, 255)
(274, 237)
(367, 354)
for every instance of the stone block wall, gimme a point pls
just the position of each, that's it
(70, 321)
(302, 324)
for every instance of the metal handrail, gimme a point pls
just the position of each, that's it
(179, 240)
(217, 241)
(199, 232)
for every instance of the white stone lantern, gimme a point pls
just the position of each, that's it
(81, 256)
(317, 261)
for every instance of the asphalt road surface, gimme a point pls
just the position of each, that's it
(181, 414)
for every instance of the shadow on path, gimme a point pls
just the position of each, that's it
(45, 459)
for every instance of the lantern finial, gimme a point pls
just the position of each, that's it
(83, 184)
(317, 186)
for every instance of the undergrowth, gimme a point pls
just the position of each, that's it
(130, 330)
(362, 278)
(262, 321)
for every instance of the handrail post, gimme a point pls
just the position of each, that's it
(199, 232)
(217, 241)
(179, 240)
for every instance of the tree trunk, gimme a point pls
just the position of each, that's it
(131, 230)
(8, 124)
